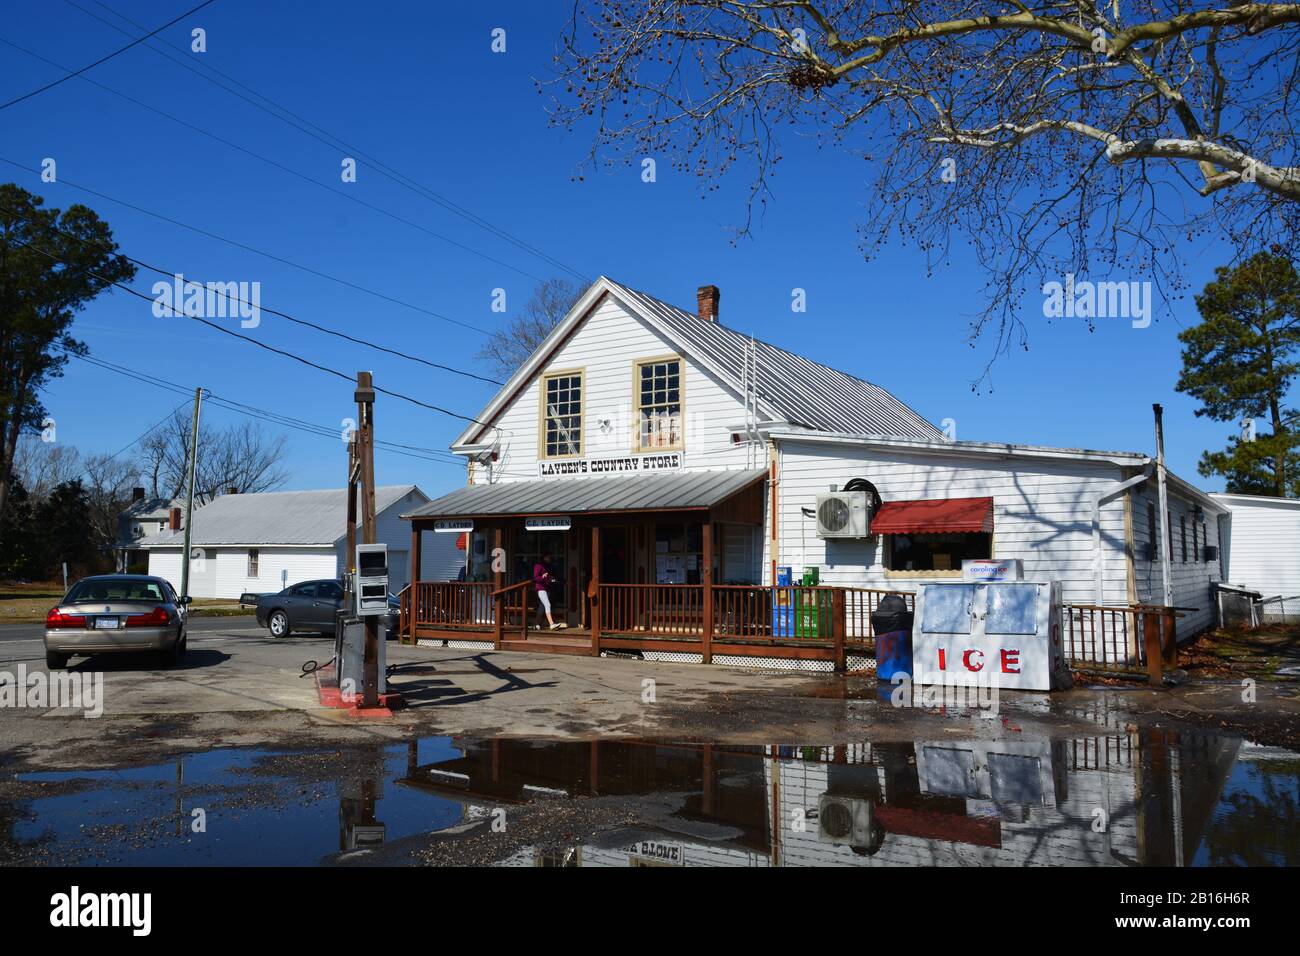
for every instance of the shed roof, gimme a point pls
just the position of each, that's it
(275, 518)
(690, 491)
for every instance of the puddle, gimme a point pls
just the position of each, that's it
(1115, 799)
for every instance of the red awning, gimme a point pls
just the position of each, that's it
(940, 516)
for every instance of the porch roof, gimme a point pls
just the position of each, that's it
(694, 490)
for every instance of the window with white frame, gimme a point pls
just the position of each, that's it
(562, 414)
(254, 556)
(659, 403)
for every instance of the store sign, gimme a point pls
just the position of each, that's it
(653, 851)
(989, 569)
(619, 465)
(548, 524)
(454, 526)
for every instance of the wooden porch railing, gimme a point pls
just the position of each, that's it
(510, 611)
(669, 610)
(1120, 638)
(828, 621)
(450, 604)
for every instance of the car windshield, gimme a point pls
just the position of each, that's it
(99, 591)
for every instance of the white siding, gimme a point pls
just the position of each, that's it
(607, 347)
(223, 572)
(1042, 514)
(1263, 547)
(1192, 578)
(166, 564)
(278, 568)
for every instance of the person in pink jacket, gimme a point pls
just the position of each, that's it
(544, 580)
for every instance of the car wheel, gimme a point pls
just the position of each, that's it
(279, 624)
(55, 662)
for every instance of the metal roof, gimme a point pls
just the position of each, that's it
(695, 489)
(275, 518)
(799, 390)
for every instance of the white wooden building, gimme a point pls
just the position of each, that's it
(1261, 550)
(628, 398)
(269, 541)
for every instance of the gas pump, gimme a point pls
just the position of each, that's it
(369, 598)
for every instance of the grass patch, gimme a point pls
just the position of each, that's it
(29, 603)
(1244, 652)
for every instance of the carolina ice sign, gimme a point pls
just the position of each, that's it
(996, 634)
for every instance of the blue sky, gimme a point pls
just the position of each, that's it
(417, 86)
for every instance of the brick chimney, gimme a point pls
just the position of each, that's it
(232, 490)
(137, 494)
(706, 298)
(174, 519)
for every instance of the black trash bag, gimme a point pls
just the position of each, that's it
(891, 614)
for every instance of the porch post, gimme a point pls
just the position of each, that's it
(416, 539)
(593, 591)
(1152, 631)
(706, 639)
(839, 622)
(498, 609)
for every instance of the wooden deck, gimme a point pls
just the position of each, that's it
(815, 624)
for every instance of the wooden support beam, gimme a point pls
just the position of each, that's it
(1151, 635)
(498, 582)
(593, 590)
(839, 627)
(706, 638)
(414, 582)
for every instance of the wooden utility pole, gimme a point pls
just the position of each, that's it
(1166, 534)
(189, 500)
(365, 451)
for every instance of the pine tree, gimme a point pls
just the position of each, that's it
(1240, 362)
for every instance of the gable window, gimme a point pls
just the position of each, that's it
(659, 403)
(562, 414)
(254, 555)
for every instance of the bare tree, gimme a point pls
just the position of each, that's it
(508, 348)
(108, 480)
(243, 457)
(1052, 137)
(40, 465)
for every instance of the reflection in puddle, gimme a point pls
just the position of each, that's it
(1149, 798)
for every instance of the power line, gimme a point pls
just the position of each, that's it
(102, 59)
(247, 248)
(141, 436)
(292, 172)
(332, 140)
(262, 345)
(284, 315)
(253, 411)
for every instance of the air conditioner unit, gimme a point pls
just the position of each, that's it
(844, 820)
(843, 514)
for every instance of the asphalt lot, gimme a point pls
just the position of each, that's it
(237, 686)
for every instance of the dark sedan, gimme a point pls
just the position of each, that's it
(309, 606)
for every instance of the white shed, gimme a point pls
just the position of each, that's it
(268, 541)
(1261, 551)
